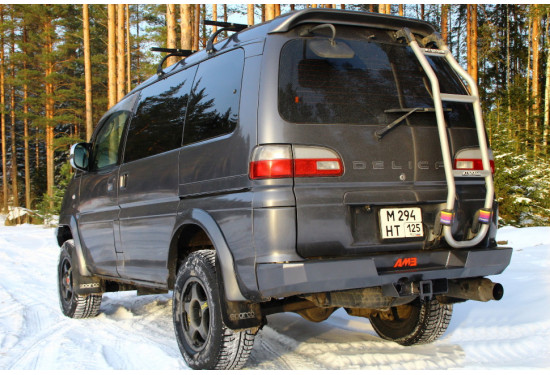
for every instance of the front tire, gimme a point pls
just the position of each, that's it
(204, 340)
(420, 322)
(73, 305)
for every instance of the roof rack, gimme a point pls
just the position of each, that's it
(171, 52)
(225, 26)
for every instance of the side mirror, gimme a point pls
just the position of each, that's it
(79, 156)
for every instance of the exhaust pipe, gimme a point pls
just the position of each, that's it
(479, 289)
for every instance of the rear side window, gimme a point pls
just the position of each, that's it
(372, 87)
(213, 108)
(158, 123)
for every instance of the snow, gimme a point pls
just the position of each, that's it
(136, 333)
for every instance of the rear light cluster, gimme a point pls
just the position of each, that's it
(283, 161)
(470, 159)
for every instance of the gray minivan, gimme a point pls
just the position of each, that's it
(324, 159)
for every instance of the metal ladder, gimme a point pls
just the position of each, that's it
(447, 215)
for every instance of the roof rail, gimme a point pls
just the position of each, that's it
(171, 52)
(225, 26)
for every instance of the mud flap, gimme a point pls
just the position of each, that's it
(84, 284)
(239, 315)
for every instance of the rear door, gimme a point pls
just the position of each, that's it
(148, 183)
(393, 180)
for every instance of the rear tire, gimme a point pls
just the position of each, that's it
(204, 340)
(73, 305)
(420, 322)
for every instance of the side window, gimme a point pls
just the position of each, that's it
(214, 103)
(158, 123)
(107, 142)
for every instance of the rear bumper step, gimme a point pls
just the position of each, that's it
(277, 280)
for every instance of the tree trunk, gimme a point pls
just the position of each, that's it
(186, 22)
(215, 18)
(250, 13)
(196, 27)
(471, 26)
(87, 72)
(171, 31)
(128, 52)
(547, 89)
(26, 125)
(508, 75)
(111, 52)
(535, 35)
(474, 43)
(444, 22)
(203, 16)
(225, 15)
(2, 115)
(401, 13)
(49, 108)
(14, 172)
(269, 12)
(527, 92)
(121, 64)
(422, 11)
(277, 10)
(138, 47)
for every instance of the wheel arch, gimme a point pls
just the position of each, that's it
(69, 231)
(195, 229)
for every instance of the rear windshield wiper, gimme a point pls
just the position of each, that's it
(409, 111)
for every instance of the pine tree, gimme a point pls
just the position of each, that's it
(87, 71)
(2, 111)
(111, 45)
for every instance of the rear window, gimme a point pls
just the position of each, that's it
(363, 89)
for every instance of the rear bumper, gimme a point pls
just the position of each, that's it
(294, 278)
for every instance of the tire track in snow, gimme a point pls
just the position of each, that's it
(31, 347)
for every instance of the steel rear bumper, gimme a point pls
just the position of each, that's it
(287, 279)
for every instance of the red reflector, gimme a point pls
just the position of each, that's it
(280, 168)
(317, 167)
(477, 164)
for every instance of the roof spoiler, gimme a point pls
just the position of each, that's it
(351, 18)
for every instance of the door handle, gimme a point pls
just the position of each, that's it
(123, 181)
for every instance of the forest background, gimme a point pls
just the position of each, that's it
(63, 65)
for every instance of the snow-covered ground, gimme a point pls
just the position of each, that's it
(136, 332)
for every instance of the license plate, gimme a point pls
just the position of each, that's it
(401, 222)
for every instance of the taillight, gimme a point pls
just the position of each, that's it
(283, 161)
(473, 164)
(316, 162)
(272, 161)
(470, 159)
